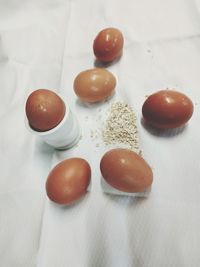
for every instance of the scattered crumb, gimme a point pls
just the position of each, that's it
(94, 134)
(91, 134)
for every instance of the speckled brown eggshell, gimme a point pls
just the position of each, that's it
(68, 181)
(126, 171)
(44, 110)
(94, 85)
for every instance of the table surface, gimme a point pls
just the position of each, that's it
(45, 44)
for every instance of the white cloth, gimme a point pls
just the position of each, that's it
(45, 44)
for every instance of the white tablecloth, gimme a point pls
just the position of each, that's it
(45, 44)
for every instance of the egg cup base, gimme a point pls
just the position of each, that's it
(72, 144)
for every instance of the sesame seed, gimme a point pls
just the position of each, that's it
(120, 126)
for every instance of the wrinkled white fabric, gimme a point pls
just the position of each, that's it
(45, 44)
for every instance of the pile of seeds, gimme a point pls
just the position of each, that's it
(120, 126)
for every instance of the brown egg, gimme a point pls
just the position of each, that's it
(68, 181)
(44, 110)
(108, 45)
(126, 171)
(94, 85)
(167, 109)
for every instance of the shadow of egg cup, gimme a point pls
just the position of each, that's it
(163, 132)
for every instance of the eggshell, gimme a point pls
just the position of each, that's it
(126, 171)
(108, 45)
(44, 110)
(68, 181)
(94, 85)
(167, 109)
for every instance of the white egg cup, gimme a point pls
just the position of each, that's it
(65, 135)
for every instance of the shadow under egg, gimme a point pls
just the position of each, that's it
(113, 192)
(72, 205)
(83, 104)
(94, 105)
(101, 64)
(163, 132)
(123, 200)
